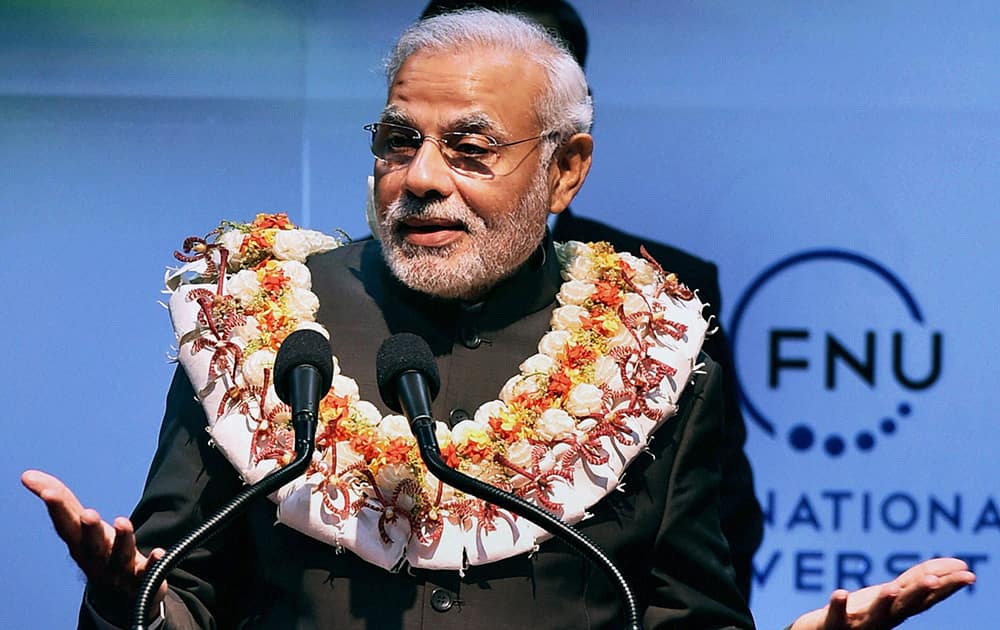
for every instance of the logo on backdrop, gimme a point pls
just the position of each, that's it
(839, 355)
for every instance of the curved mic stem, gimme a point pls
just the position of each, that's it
(423, 431)
(305, 435)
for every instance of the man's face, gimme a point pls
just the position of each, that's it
(444, 232)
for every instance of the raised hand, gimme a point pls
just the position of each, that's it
(884, 606)
(106, 553)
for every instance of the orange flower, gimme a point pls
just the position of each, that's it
(363, 443)
(259, 239)
(508, 426)
(607, 293)
(559, 384)
(577, 356)
(450, 454)
(397, 451)
(333, 407)
(277, 221)
(271, 278)
(477, 447)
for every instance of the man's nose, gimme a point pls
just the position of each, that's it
(428, 173)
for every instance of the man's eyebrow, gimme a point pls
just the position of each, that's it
(472, 122)
(477, 122)
(394, 116)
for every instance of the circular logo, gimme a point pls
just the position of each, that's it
(825, 379)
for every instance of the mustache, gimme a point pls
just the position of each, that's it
(449, 210)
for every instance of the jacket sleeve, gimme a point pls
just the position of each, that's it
(188, 481)
(692, 580)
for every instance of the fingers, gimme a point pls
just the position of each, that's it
(934, 566)
(930, 582)
(881, 610)
(836, 612)
(123, 552)
(106, 554)
(63, 506)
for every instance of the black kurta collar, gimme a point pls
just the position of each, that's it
(445, 322)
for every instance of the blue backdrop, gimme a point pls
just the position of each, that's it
(838, 160)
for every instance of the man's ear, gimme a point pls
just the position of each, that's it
(568, 170)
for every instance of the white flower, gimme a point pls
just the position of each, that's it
(395, 426)
(519, 453)
(300, 244)
(553, 342)
(575, 292)
(570, 250)
(515, 386)
(580, 268)
(368, 412)
(537, 364)
(622, 338)
(301, 304)
(489, 410)
(388, 479)
(232, 240)
(443, 434)
(555, 424)
(645, 273)
(247, 331)
(568, 317)
(345, 386)
(243, 285)
(346, 456)
(605, 369)
(297, 273)
(255, 364)
(461, 432)
(633, 303)
(431, 485)
(291, 245)
(584, 399)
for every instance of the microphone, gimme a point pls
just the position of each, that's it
(408, 380)
(407, 376)
(303, 372)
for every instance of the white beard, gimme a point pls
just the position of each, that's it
(497, 249)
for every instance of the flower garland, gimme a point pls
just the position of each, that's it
(623, 344)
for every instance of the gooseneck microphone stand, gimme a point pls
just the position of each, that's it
(423, 431)
(304, 423)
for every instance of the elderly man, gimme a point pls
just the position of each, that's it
(483, 134)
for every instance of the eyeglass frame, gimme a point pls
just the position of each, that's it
(444, 145)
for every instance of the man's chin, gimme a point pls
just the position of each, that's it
(438, 272)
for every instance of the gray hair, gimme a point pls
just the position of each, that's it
(565, 107)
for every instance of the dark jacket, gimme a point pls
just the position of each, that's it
(663, 531)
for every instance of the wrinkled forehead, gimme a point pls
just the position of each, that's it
(479, 90)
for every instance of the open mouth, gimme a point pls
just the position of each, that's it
(431, 233)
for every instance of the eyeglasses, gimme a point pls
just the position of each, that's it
(472, 154)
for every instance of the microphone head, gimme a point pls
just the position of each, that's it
(303, 347)
(404, 352)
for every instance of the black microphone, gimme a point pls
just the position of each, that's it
(407, 376)
(303, 371)
(408, 380)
